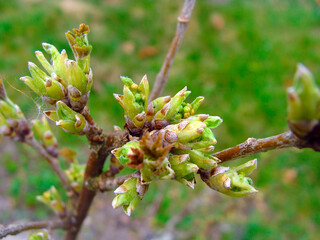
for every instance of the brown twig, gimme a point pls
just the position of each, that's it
(254, 146)
(14, 229)
(107, 184)
(100, 148)
(163, 75)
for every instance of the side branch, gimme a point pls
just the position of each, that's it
(163, 75)
(14, 229)
(107, 184)
(254, 146)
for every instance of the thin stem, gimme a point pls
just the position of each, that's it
(14, 229)
(163, 75)
(254, 146)
(54, 163)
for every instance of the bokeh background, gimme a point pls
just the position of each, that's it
(240, 55)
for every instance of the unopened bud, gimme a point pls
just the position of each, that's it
(233, 181)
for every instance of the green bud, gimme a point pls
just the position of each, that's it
(155, 106)
(54, 89)
(58, 63)
(144, 90)
(53, 200)
(38, 77)
(42, 84)
(75, 175)
(122, 153)
(44, 62)
(131, 107)
(303, 97)
(201, 159)
(52, 115)
(67, 119)
(39, 235)
(128, 196)
(134, 101)
(150, 172)
(76, 76)
(78, 41)
(213, 121)
(196, 103)
(170, 109)
(127, 81)
(233, 181)
(42, 129)
(31, 84)
(184, 170)
(9, 110)
(191, 131)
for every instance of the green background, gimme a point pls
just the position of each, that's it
(239, 55)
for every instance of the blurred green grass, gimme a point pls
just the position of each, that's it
(240, 55)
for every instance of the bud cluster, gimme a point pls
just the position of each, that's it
(169, 142)
(64, 79)
(75, 175)
(68, 119)
(42, 128)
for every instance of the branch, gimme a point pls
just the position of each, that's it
(100, 149)
(254, 146)
(104, 184)
(14, 229)
(163, 75)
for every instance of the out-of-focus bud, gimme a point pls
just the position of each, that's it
(67, 119)
(134, 102)
(303, 104)
(42, 129)
(11, 117)
(53, 200)
(232, 181)
(40, 235)
(78, 41)
(75, 175)
(184, 170)
(129, 194)
(9, 110)
(5, 128)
